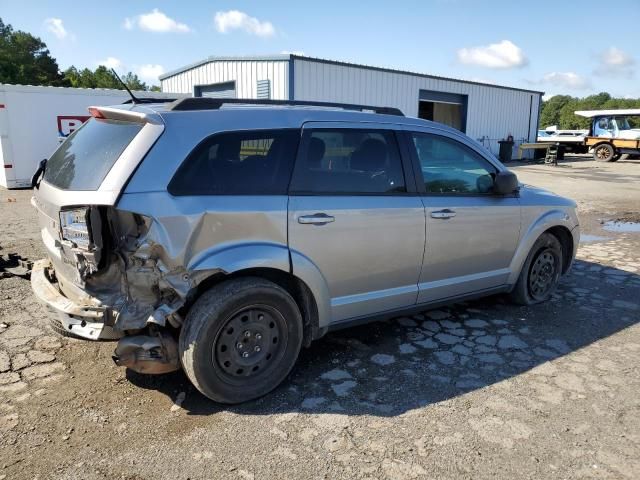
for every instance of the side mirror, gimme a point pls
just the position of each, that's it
(505, 183)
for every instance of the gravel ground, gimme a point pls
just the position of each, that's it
(481, 389)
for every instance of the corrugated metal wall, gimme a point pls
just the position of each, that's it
(245, 73)
(492, 112)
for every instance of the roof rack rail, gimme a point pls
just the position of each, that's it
(151, 100)
(206, 103)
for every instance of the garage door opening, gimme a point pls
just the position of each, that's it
(216, 90)
(447, 108)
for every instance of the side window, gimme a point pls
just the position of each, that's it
(238, 163)
(349, 161)
(449, 166)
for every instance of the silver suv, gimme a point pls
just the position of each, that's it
(220, 236)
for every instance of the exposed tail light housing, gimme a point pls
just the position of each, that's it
(74, 226)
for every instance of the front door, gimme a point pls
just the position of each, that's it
(351, 215)
(471, 233)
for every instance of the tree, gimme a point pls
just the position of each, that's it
(101, 77)
(570, 120)
(133, 82)
(550, 114)
(559, 110)
(25, 59)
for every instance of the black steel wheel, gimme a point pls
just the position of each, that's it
(241, 339)
(250, 343)
(540, 273)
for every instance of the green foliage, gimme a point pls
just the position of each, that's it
(550, 114)
(101, 78)
(558, 110)
(25, 59)
(133, 82)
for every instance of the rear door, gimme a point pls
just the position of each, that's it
(353, 214)
(471, 233)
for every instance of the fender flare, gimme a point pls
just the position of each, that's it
(550, 219)
(605, 140)
(232, 258)
(307, 271)
(235, 258)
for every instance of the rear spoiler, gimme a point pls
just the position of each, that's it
(115, 113)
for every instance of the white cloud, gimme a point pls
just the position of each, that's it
(568, 80)
(111, 62)
(55, 26)
(614, 62)
(616, 58)
(505, 54)
(483, 80)
(149, 73)
(157, 22)
(299, 53)
(235, 20)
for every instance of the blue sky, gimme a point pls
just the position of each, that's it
(576, 48)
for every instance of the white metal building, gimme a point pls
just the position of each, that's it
(485, 112)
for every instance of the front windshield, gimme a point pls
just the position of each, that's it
(622, 123)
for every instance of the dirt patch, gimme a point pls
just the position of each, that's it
(477, 390)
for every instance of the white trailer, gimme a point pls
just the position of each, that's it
(34, 120)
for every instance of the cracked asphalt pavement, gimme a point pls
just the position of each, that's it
(481, 389)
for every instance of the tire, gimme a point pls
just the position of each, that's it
(540, 273)
(57, 327)
(241, 339)
(604, 152)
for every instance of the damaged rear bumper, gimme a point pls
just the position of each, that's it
(86, 321)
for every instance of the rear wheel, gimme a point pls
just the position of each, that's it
(540, 273)
(241, 339)
(604, 153)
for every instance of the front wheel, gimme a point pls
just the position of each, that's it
(540, 273)
(241, 339)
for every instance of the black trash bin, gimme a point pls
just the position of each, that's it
(506, 150)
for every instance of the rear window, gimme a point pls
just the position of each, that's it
(87, 155)
(239, 163)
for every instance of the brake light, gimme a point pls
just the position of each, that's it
(96, 113)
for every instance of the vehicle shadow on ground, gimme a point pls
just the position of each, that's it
(388, 368)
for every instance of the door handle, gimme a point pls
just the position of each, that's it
(316, 219)
(443, 214)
